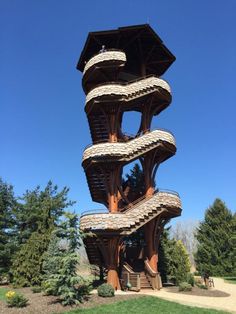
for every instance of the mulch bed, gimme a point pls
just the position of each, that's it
(199, 292)
(40, 304)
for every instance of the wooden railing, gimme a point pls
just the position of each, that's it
(153, 277)
(130, 279)
(127, 137)
(127, 208)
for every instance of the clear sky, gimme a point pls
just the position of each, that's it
(43, 126)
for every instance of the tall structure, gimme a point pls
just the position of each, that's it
(121, 72)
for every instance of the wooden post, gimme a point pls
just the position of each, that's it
(150, 227)
(112, 262)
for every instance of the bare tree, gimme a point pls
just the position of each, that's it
(185, 231)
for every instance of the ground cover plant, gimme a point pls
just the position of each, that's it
(145, 305)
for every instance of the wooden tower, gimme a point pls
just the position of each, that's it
(121, 72)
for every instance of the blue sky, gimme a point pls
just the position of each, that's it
(43, 126)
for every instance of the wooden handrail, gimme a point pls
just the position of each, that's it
(128, 268)
(130, 137)
(131, 277)
(127, 208)
(149, 269)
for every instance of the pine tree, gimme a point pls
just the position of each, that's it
(7, 222)
(135, 180)
(40, 207)
(61, 262)
(216, 252)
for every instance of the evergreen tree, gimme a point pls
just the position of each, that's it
(163, 254)
(179, 262)
(135, 180)
(216, 235)
(27, 265)
(40, 208)
(61, 261)
(53, 255)
(37, 216)
(174, 262)
(7, 222)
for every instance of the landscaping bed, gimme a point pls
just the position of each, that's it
(199, 292)
(41, 304)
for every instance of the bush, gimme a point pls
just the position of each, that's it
(15, 299)
(36, 289)
(84, 289)
(190, 279)
(184, 286)
(106, 290)
(50, 287)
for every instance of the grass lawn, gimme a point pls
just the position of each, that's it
(145, 305)
(230, 279)
(3, 291)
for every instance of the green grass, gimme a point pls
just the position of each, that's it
(3, 291)
(145, 305)
(230, 280)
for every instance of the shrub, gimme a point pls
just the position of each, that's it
(49, 287)
(106, 290)
(184, 286)
(36, 289)
(84, 289)
(15, 299)
(190, 279)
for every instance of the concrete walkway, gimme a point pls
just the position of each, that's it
(227, 303)
(220, 303)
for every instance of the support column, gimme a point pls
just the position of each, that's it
(113, 262)
(151, 250)
(113, 184)
(114, 121)
(150, 228)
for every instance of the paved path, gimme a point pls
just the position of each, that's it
(220, 303)
(227, 303)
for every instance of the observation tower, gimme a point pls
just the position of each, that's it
(121, 72)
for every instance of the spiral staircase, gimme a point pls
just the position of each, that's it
(125, 76)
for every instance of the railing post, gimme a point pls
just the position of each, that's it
(138, 282)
